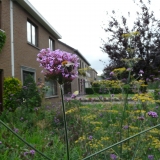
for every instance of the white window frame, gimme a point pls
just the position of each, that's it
(31, 33)
(51, 44)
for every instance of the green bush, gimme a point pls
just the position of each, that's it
(89, 91)
(12, 88)
(30, 96)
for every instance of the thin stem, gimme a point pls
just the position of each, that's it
(65, 122)
(24, 140)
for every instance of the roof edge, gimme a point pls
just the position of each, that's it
(75, 50)
(35, 13)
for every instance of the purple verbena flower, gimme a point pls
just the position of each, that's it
(125, 127)
(16, 130)
(153, 114)
(25, 153)
(58, 65)
(150, 157)
(32, 152)
(156, 79)
(90, 137)
(157, 107)
(129, 69)
(113, 156)
(141, 72)
(141, 118)
(111, 73)
(148, 80)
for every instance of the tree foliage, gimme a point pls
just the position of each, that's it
(141, 43)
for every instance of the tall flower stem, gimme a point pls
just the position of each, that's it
(65, 122)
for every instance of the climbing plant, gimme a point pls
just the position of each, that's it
(2, 39)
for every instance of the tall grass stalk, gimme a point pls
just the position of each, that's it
(65, 122)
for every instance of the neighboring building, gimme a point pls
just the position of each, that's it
(78, 84)
(27, 32)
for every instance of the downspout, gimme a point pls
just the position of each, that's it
(12, 38)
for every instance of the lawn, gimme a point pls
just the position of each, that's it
(107, 95)
(91, 128)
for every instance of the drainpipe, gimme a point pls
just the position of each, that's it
(12, 38)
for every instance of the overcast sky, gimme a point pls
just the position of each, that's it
(80, 22)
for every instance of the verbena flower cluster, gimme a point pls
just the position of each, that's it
(152, 114)
(58, 65)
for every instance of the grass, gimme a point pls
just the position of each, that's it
(91, 127)
(107, 95)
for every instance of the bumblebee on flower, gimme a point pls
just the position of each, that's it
(58, 65)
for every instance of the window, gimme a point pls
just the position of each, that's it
(52, 88)
(25, 71)
(51, 44)
(25, 75)
(31, 33)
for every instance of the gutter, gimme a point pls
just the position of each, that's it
(12, 38)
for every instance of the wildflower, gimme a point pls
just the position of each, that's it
(125, 127)
(90, 137)
(150, 157)
(16, 130)
(141, 72)
(152, 114)
(156, 107)
(59, 65)
(32, 152)
(148, 80)
(129, 69)
(101, 115)
(56, 120)
(156, 79)
(25, 153)
(141, 118)
(21, 118)
(0, 142)
(112, 73)
(113, 156)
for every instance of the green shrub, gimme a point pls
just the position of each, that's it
(30, 96)
(12, 87)
(89, 91)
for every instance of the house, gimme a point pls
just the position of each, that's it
(78, 84)
(27, 33)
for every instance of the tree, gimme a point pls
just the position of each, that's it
(142, 43)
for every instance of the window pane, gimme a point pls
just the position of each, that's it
(28, 32)
(51, 44)
(52, 88)
(25, 75)
(33, 35)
